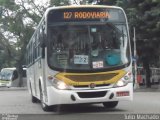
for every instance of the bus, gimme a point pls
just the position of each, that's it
(10, 78)
(80, 54)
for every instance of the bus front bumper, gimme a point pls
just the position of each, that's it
(57, 97)
(5, 84)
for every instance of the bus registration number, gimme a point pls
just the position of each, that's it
(98, 64)
(80, 59)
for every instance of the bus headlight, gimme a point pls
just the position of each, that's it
(121, 83)
(60, 85)
(124, 80)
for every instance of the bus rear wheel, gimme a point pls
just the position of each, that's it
(112, 104)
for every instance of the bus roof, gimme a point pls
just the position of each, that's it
(10, 69)
(82, 6)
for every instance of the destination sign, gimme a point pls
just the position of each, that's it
(85, 14)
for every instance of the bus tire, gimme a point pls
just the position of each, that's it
(112, 104)
(45, 107)
(33, 99)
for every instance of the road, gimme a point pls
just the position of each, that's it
(18, 102)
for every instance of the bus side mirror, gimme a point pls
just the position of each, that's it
(43, 39)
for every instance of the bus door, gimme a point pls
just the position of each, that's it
(34, 69)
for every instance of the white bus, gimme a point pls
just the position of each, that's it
(10, 78)
(80, 54)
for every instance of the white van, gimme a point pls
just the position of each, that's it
(10, 77)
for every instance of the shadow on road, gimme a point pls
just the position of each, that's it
(83, 108)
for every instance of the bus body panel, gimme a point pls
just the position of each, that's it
(35, 77)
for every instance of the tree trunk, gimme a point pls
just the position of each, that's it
(148, 72)
(20, 73)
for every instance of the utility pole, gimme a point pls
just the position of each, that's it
(136, 85)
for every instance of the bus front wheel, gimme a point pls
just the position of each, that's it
(34, 99)
(43, 105)
(112, 104)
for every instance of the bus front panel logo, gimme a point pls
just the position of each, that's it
(92, 85)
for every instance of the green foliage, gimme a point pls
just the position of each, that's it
(12, 20)
(10, 4)
(142, 14)
(59, 2)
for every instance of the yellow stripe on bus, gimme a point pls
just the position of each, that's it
(77, 79)
(4, 81)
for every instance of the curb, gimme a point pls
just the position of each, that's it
(154, 88)
(13, 89)
(147, 90)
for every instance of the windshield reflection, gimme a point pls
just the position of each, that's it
(6, 75)
(88, 47)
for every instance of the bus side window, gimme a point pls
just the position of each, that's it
(15, 75)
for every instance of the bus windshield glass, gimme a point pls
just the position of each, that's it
(6, 75)
(88, 46)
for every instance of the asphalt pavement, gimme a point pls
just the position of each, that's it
(15, 104)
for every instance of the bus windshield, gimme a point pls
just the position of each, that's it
(6, 75)
(88, 47)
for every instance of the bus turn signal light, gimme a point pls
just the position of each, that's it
(122, 93)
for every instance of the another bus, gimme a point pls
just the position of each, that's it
(10, 78)
(80, 54)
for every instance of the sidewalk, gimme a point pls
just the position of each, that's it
(12, 88)
(154, 88)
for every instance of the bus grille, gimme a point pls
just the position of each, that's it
(91, 94)
(91, 77)
(86, 86)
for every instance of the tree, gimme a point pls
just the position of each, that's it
(18, 21)
(146, 19)
(19, 34)
(144, 15)
(59, 2)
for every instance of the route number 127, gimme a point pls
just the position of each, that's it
(67, 15)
